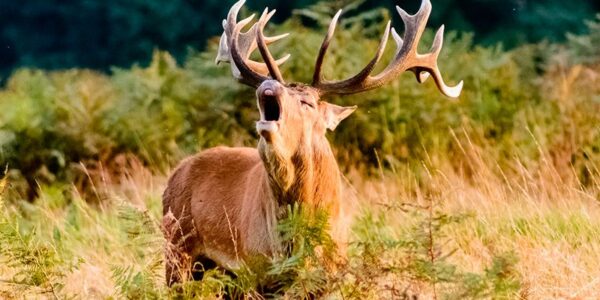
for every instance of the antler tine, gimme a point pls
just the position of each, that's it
(407, 47)
(432, 56)
(246, 74)
(264, 50)
(317, 77)
(398, 39)
(410, 21)
(406, 58)
(414, 26)
(246, 44)
(426, 64)
(421, 76)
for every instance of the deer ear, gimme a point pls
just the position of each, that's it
(333, 114)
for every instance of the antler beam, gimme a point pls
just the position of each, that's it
(406, 58)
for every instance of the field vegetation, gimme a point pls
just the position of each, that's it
(494, 195)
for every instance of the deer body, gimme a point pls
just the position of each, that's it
(230, 197)
(221, 206)
(221, 198)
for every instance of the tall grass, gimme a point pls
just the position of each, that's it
(443, 235)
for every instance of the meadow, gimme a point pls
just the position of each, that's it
(494, 195)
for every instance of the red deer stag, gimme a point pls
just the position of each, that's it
(222, 205)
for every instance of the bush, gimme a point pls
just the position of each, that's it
(50, 122)
(382, 263)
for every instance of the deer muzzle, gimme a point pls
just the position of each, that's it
(269, 96)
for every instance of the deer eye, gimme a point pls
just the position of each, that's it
(304, 102)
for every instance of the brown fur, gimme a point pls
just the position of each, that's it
(223, 203)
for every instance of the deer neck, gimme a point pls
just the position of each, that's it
(309, 176)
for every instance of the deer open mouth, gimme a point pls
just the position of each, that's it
(269, 105)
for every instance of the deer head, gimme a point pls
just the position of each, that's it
(293, 118)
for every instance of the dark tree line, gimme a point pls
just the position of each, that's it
(102, 33)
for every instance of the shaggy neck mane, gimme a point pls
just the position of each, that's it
(311, 176)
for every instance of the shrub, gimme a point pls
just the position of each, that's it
(382, 261)
(35, 265)
(50, 122)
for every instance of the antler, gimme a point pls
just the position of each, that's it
(405, 59)
(272, 65)
(235, 47)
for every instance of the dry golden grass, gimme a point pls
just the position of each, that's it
(542, 214)
(547, 218)
(556, 238)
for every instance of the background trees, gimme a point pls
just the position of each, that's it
(98, 34)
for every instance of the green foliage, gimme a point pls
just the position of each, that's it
(137, 280)
(584, 48)
(305, 231)
(381, 261)
(499, 281)
(52, 121)
(322, 12)
(420, 254)
(35, 264)
(158, 113)
(302, 273)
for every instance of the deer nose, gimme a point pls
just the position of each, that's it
(270, 88)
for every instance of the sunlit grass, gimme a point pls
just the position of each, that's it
(553, 230)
